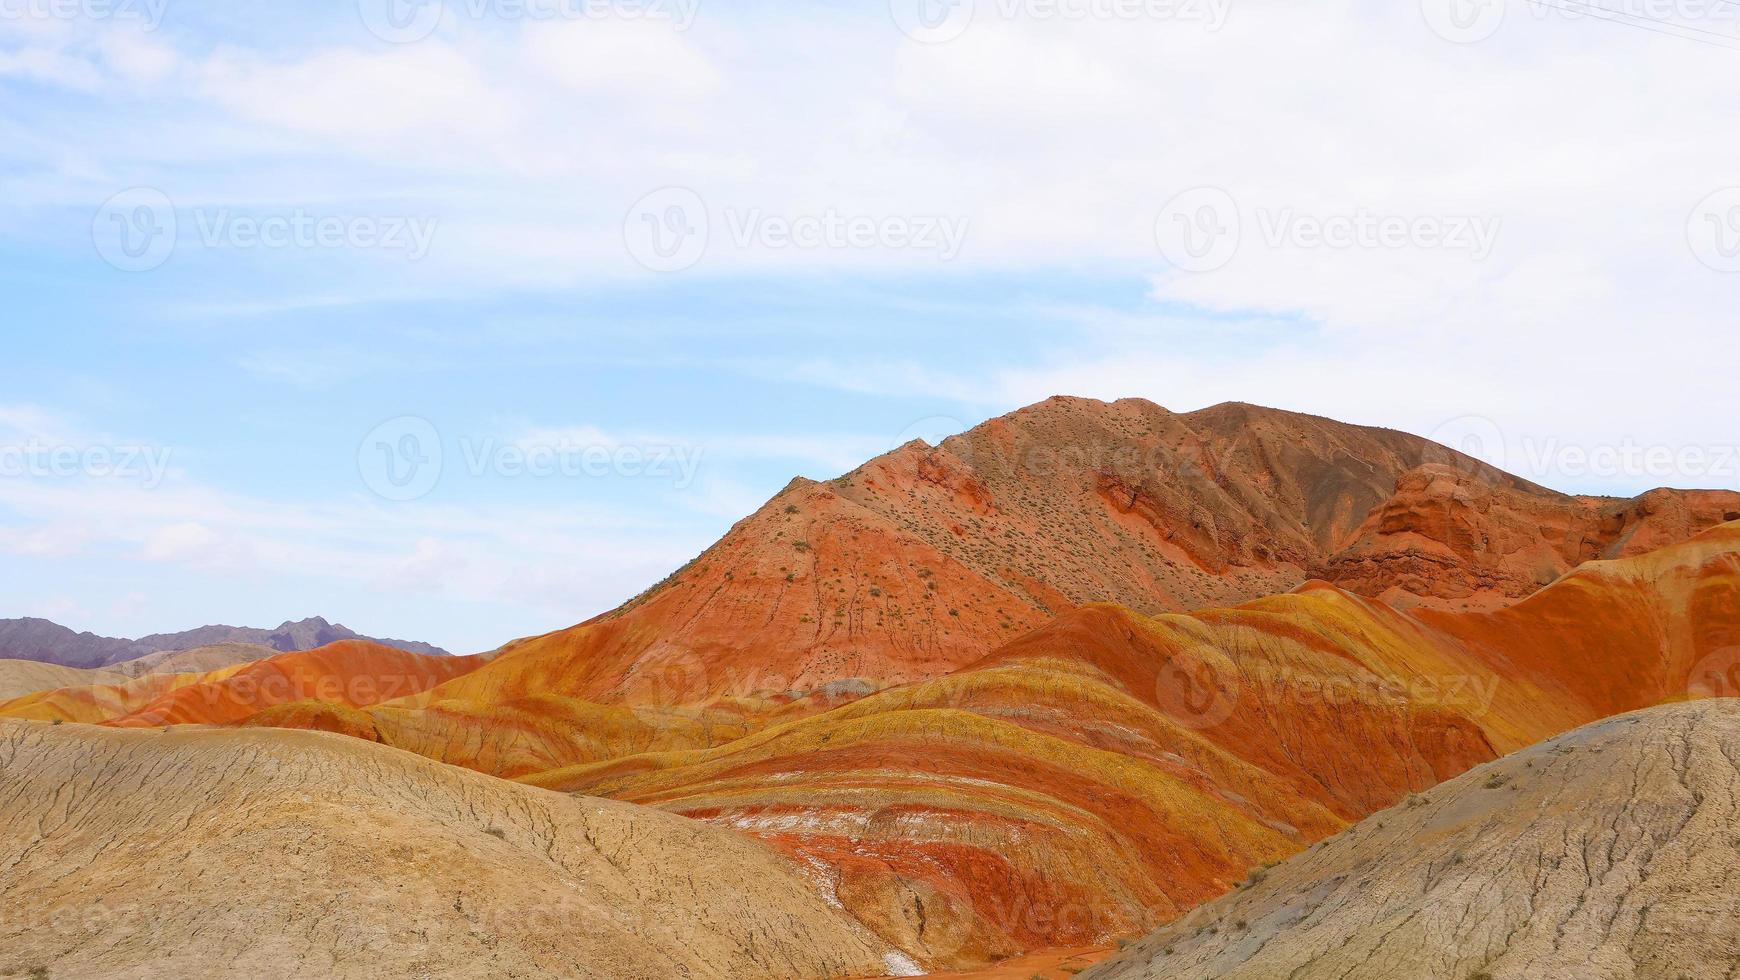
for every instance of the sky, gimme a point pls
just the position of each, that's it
(462, 320)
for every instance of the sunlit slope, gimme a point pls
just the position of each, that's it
(1111, 769)
(1606, 852)
(1610, 637)
(198, 853)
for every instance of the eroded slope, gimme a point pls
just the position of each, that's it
(1608, 852)
(273, 853)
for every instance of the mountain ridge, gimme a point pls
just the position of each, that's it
(921, 559)
(45, 641)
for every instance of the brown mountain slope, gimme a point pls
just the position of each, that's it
(921, 560)
(1608, 852)
(278, 854)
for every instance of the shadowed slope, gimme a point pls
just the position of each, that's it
(275, 854)
(1606, 852)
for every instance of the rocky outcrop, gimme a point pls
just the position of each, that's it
(1451, 539)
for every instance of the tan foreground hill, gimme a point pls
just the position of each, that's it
(199, 853)
(1608, 852)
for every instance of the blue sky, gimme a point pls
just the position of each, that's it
(1521, 237)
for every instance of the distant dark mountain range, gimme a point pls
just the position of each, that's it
(48, 642)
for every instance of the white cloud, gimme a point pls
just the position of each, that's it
(416, 94)
(640, 62)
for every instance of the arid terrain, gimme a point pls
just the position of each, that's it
(999, 703)
(247, 854)
(1606, 852)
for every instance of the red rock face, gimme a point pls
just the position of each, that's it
(922, 560)
(1449, 538)
(1110, 770)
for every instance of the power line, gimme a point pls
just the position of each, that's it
(1654, 26)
